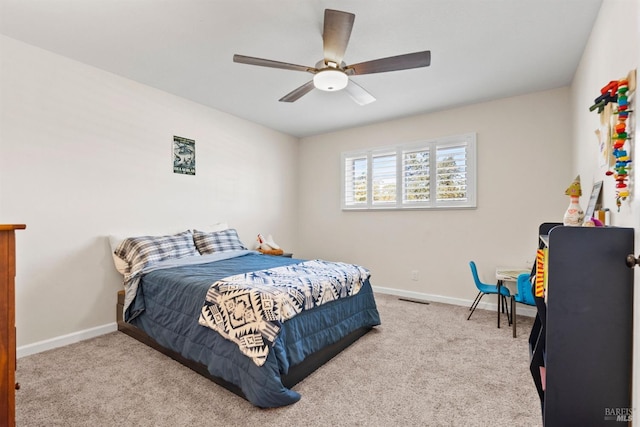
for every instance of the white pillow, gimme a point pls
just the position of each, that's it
(120, 264)
(221, 226)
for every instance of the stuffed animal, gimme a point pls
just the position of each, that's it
(268, 245)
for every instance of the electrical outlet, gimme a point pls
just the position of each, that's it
(414, 275)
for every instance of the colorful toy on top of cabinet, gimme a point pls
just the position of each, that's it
(574, 214)
(614, 107)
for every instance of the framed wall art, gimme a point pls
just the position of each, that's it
(184, 155)
(594, 200)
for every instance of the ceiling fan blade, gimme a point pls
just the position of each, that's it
(358, 93)
(298, 93)
(392, 63)
(336, 34)
(272, 64)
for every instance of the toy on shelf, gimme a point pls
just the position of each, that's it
(574, 214)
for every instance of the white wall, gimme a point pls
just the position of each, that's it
(85, 154)
(524, 146)
(612, 51)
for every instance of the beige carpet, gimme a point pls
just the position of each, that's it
(426, 365)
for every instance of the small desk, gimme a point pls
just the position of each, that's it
(507, 274)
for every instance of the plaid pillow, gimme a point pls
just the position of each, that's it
(139, 252)
(219, 241)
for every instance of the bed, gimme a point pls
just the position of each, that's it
(164, 309)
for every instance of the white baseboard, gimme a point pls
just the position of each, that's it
(521, 311)
(61, 341)
(75, 337)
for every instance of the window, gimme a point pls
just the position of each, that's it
(422, 175)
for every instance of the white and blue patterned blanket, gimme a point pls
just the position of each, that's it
(249, 308)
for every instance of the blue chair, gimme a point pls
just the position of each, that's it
(485, 289)
(524, 296)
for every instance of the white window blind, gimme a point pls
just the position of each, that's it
(355, 180)
(415, 174)
(421, 175)
(451, 173)
(383, 178)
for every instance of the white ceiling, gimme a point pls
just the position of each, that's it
(480, 50)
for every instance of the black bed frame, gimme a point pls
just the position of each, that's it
(296, 373)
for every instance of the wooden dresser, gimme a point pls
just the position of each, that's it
(7, 323)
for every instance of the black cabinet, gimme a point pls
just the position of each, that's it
(582, 337)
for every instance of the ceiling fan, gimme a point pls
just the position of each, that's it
(331, 73)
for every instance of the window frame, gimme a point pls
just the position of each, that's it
(468, 141)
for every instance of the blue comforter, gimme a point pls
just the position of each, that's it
(169, 302)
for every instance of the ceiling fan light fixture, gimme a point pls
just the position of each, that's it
(330, 80)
